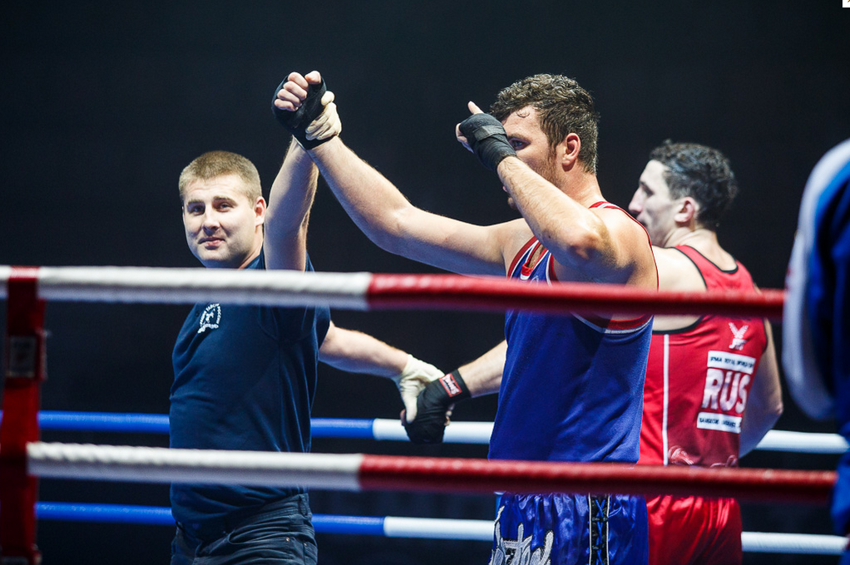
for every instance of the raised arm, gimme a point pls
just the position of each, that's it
(603, 244)
(356, 352)
(382, 212)
(294, 188)
(598, 244)
(764, 406)
(288, 214)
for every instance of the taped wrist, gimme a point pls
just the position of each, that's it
(487, 138)
(297, 122)
(453, 387)
(432, 405)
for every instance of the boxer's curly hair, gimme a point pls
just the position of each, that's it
(217, 163)
(563, 107)
(701, 172)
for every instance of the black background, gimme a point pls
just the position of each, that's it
(103, 103)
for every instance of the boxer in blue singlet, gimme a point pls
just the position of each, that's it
(816, 320)
(591, 411)
(573, 387)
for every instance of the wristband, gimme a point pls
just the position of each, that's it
(455, 387)
(433, 406)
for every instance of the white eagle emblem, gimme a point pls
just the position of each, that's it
(738, 340)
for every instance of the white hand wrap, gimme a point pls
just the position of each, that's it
(328, 123)
(415, 376)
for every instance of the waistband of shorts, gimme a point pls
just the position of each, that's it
(296, 504)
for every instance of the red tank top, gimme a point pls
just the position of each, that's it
(698, 380)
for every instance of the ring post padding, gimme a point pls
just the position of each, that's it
(24, 371)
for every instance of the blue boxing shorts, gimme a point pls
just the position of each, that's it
(565, 529)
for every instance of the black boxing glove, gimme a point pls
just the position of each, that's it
(487, 139)
(296, 122)
(431, 408)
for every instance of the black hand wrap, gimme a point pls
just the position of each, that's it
(431, 408)
(487, 139)
(298, 121)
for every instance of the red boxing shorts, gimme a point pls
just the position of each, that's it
(692, 530)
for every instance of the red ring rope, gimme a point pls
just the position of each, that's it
(481, 476)
(494, 294)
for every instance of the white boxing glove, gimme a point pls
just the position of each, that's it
(415, 376)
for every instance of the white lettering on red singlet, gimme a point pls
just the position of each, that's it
(726, 380)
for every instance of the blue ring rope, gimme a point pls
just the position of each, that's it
(161, 516)
(57, 420)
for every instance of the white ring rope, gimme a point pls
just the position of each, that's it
(157, 285)
(438, 528)
(802, 442)
(163, 465)
(809, 544)
(482, 530)
(479, 433)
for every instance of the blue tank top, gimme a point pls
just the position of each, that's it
(244, 378)
(572, 388)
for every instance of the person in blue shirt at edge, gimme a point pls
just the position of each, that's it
(245, 376)
(573, 385)
(816, 317)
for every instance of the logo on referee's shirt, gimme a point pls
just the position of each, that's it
(210, 318)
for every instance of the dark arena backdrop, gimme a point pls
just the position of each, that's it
(103, 104)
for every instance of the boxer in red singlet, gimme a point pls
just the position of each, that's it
(712, 384)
